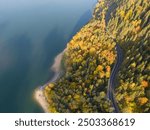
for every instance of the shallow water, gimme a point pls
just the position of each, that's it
(32, 33)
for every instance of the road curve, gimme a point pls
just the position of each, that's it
(111, 83)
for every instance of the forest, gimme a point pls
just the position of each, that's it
(90, 57)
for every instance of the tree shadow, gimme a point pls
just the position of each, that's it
(15, 78)
(83, 20)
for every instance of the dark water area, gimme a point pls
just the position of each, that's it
(32, 33)
(84, 19)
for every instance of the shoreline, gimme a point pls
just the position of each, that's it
(39, 96)
(41, 99)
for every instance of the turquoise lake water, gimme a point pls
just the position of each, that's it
(32, 33)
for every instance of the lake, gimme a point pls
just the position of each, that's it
(32, 33)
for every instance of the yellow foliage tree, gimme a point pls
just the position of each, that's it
(99, 68)
(92, 51)
(144, 84)
(142, 100)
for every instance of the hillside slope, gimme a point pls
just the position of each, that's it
(91, 55)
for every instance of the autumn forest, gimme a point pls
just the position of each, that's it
(90, 61)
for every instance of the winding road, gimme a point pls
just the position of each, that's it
(111, 83)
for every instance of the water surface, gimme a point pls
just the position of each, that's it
(32, 33)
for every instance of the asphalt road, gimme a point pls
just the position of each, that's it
(112, 80)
